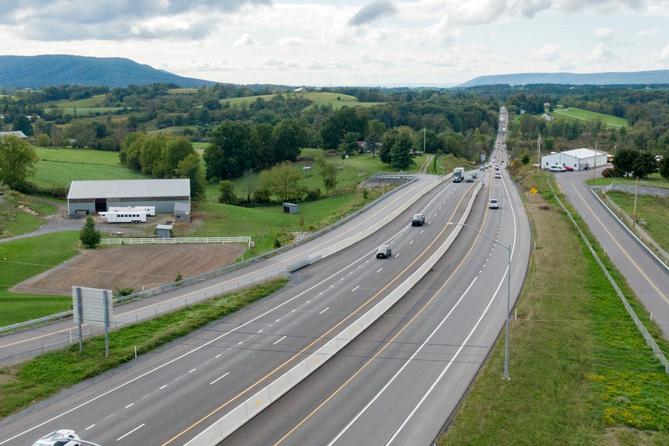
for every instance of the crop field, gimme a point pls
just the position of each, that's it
(586, 115)
(24, 258)
(57, 167)
(335, 100)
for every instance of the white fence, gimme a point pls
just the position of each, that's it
(173, 240)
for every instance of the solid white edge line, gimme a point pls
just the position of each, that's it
(132, 431)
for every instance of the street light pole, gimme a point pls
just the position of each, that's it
(507, 376)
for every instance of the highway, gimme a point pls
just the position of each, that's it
(168, 396)
(399, 381)
(25, 344)
(648, 280)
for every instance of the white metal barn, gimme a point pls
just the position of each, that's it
(578, 159)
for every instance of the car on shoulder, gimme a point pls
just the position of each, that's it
(62, 437)
(494, 203)
(384, 252)
(418, 220)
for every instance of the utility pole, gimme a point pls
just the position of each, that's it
(636, 195)
(539, 152)
(423, 140)
(594, 175)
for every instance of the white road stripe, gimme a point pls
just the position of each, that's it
(219, 355)
(279, 340)
(162, 387)
(192, 370)
(356, 287)
(324, 310)
(411, 242)
(132, 431)
(379, 270)
(129, 405)
(219, 378)
(90, 427)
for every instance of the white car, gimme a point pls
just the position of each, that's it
(494, 203)
(62, 437)
(556, 168)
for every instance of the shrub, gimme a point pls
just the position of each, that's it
(525, 159)
(88, 235)
(611, 172)
(313, 195)
(277, 243)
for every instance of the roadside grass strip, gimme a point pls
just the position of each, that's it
(24, 384)
(654, 211)
(581, 373)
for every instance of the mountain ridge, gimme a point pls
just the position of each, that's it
(63, 69)
(649, 77)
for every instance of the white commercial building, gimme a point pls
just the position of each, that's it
(577, 159)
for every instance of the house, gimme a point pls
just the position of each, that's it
(18, 133)
(90, 197)
(576, 159)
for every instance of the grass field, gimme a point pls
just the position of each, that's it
(185, 90)
(335, 100)
(21, 213)
(83, 107)
(39, 378)
(586, 115)
(580, 371)
(57, 167)
(654, 180)
(24, 258)
(654, 211)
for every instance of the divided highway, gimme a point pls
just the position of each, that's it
(171, 395)
(399, 381)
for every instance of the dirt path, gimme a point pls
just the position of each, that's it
(136, 267)
(426, 164)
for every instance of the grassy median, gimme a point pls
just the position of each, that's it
(39, 378)
(580, 371)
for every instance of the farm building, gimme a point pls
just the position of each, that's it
(182, 212)
(18, 133)
(578, 159)
(89, 197)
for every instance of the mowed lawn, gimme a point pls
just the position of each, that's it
(21, 213)
(587, 115)
(654, 211)
(24, 258)
(654, 180)
(57, 167)
(336, 100)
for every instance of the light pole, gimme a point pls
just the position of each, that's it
(508, 294)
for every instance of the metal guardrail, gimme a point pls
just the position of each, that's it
(218, 272)
(32, 322)
(173, 240)
(650, 341)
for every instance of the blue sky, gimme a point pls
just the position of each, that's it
(383, 42)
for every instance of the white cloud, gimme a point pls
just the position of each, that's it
(546, 52)
(602, 53)
(372, 11)
(291, 41)
(603, 33)
(661, 56)
(246, 39)
(647, 33)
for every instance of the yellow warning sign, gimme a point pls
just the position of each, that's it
(533, 191)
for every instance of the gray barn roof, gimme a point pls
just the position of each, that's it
(129, 189)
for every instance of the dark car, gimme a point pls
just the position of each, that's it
(383, 252)
(418, 220)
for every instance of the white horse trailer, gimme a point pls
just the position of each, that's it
(124, 217)
(150, 210)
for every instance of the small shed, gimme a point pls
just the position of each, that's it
(291, 208)
(164, 231)
(182, 212)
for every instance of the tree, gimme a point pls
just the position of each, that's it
(664, 167)
(400, 153)
(17, 161)
(22, 123)
(375, 129)
(226, 190)
(349, 143)
(191, 168)
(329, 174)
(89, 235)
(624, 160)
(644, 165)
(289, 137)
(389, 139)
(285, 180)
(346, 119)
(175, 150)
(432, 142)
(228, 154)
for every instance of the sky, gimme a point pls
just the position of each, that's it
(366, 43)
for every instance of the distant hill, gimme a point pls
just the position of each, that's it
(612, 78)
(53, 70)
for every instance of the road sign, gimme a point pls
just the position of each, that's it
(533, 191)
(92, 306)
